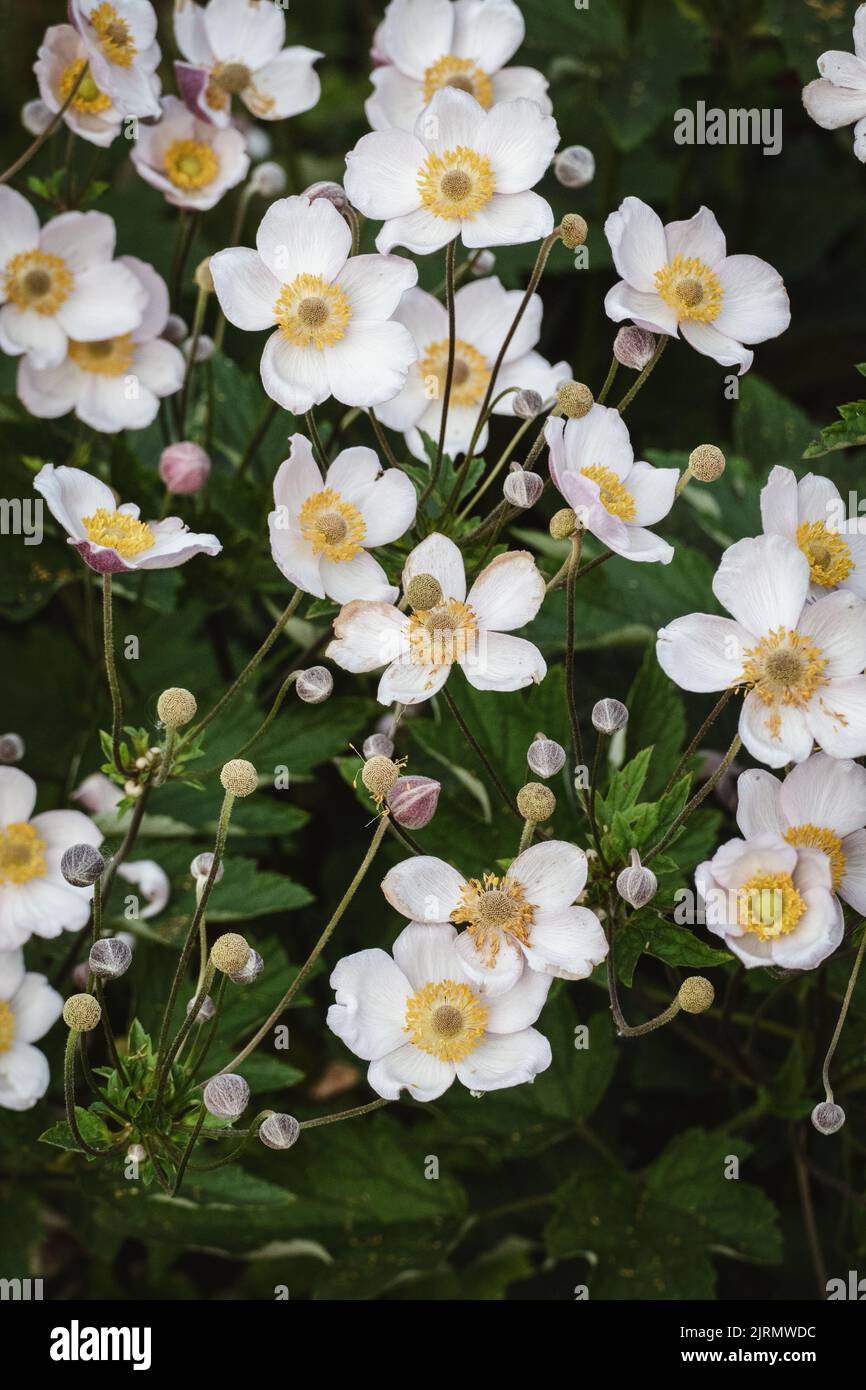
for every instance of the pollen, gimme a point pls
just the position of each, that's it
(784, 668)
(89, 98)
(312, 313)
(613, 495)
(106, 357)
(190, 164)
(690, 288)
(115, 37)
(334, 528)
(463, 73)
(232, 78)
(442, 635)
(35, 280)
(810, 836)
(456, 184)
(22, 853)
(492, 907)
(769, 905)
(828, 554)
(469, 378)
(7, 1026)
(445, 1020)
(123, 533)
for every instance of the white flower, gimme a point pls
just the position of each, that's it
(771, 903)
(335, 335)
(98, 794)
(484, 312)
(419, 649)
(92, 113)
(821, 805)
(811, 513)
(151, 880)
(592, 464)
(191, 162)
(235, 48)
(111, 538)
(117, 382)
(28, 1008)
(34, 896)
(523, 916)
(421, 1022)
(800, 663)
(838, 97)
(680, 277)
(322, 530)
(120, 45)
(464, 172)
(60, 282)
(429, 44)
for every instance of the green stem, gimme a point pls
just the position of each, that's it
(608, 381)
(644, 376)
(265, 724)
(268, 415)
(318, 446)
(111, 672)
(46, 134)
(843, 1014)
(187, 1153)
(698, 738)
(344, 1114)
(167, 755)
(382, 439)
(449, 374)
(69, 1096)
(480, 753)
(696, 800)
(573, 719)
(197, 325)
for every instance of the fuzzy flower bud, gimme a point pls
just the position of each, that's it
(535, 802)
(201, 867)
(184, 468)
(334, 193)
(204, 349)
(227, 1096)
(110, 957)
(527, 404)
(36, 117)
(574, 167)
(81, 1012)
(574, 400)
(637, 885)
(696, 994)
(239, 777)
(413, 801)
(522, 489)
(176, 329)
(202, 276)
(545, 758)
(563, 524)
(379, 775)
(268, 179)
(279, 1131)
(828, 1117)
(423, 592)
(80, 975)
(633, 347)
(229, 953)
(11, 748)
(484, 263)
(706, 463)
(315, 685)
(176, 707)
(206, 1010)
(378, 746)
(251, 971)
(609, 716)
(82, 865)
(573, 230)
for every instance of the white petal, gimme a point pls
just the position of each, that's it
(488, 31)
(39, 335)
(425, 318)
(735, 862)
(759, 809)
(520, 1007)
(408, 1068)
(397, 100)
(439, 556)
(637, 241)
(286, 86)
(19, 225)
(763, 582)
(817, 934)
(297, 477)
(833, 106)
(645, 308)
(699, 236)
(388, 507)
(36, 1007)
(653, 491)
(485, 310)
(370, 1012)
(368, 635)
(153, 882)
(24, 1077)
(17, 796)
(72, 494)
(837, 626)
(508, 592)
(498, 661)
(825, 791)
(519, 141)
(853, 885)
(82, 239)
(295, 377)
(426, 955)
(818, 499)
(530, 373)
(774, 734)
(11, 973)
(374, 285)
(46, 909)
(411, 682)
(417, 32)
(382, 170)
(60, 829)
(424, 889)
(451, 119)
(494, 976)
(509, 219)
(552, 874)
(103, 404)
(637, 544)
(706, 338)
(159, 366)
(420, 231)
(245, 31)
(370, 363)
(297, 237)
(511, 83)
(843, 69)
(837, 717)
(755, 304)
(568, 944)
(600, 436)
(294, 557)
(190, 32)
(246, 289)
(780, 504)
(106, 301)
(505, 1059)
(702, 652)
(362, 577)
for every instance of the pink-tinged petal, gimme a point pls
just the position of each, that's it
(505, 1059)
(417, 32)
(498, 661)
(775, 734)
(17, 796)
(411, 682)
(552, 874)
(246, 289)
(420, 231)
(700, 237)
(831, 106)
(637, 242)
(370, 363)
(639, 544)
(39, 336)
(763, 582)
(702, 652)
(368, 636)
(439, 556)
(299, 237)
(735, 862)
(193, 84)
(407, 1068)
(295, 377)
(853, 885)
(519, 141)
(706, 339)
(426, 955)
(374, 285)
(508, 592)
(566, 945)
(836, 717)
(825, 791)
(837, 626)
(759, 807)
(285, 86)
(382, 171)
(362, 577)
(755, 304)
(51, 393)
(646, 309)
(509, 219)
(779, 504)
(370, 1012)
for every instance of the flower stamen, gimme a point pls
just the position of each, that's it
(38, 281)
(828, 554)
(120, 531)
(106, 357)
(442, 635)
(7, 1026)
(190, 164)
(333, 528)
(691, 288)
(470, 376)
(22, 854)
(89, 97)
(312, 313)
(456, 184)
(493, 907)
(613, 495)
(808, 836)
(463, 73)
(114, 34)
(769, 905)
(445, 1020)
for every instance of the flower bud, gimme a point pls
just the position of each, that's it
(205, 348)
(574, 400)
(545, 758)
(527, 404)
(696, 994)
(201, 867)
(574, 167)
(250, 972)
(535, 802)
(11, 748)
(268, 179)
(226, 1096)
(634, 347)
(229, 953)
(259, 143)
(522, 489)
(413, 801)
(484, 263)
(239, 777)
(82, 865)
(176, 329)
(563, 524)
(184, 468)
(315, 685)
(207, 1009)
(378, 746)
(334, 193)
(137, 1152)
(609, 716)
(573, 230)
(81, 975)
(202, 276)
(379, 775)
(279, 1131)
(637, 885)
(706, 463)
(110, 957)
(423, 592)
(36, 117)
(176, 707)
(81, 1012)
(828, 1117)
(132, 789)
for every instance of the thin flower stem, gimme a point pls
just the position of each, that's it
(480, 753)
(187, 1153)
(404, 837)
(109, 1034)
(268, 416)
(496, 469)
(111, 672)
(345, 1114)
(698, 738)
(186, 1026)
(593, 786)
(571, 577)
(197, 325)
(696, 800)
(69, 1096)
(592, 564)
(265, 724)
(624, 1029)
(167, 755)
(316, 438)
(526, 835)
(608, 381)
(449, 373)
(46, 134)
(382, 439)
(354, 222)
(843, 1014)
(186, 237)
(644, 376)
(208, 1032)
(93, 1084)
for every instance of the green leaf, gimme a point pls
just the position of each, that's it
(94, 1131)
(768, 428)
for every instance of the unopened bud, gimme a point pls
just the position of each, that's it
(574, 400)
(239, 777)
(81, 1012)
(545, 758)
(634, 347)
(413, 801)
(36, 117)
(575, 166)
(334, 193)
(706, 463)
(828, 1117)
(563, 524)
(229, 953)
(695, 995)
(202, 865)
(251, 971)
(82, 865)
(207, 1009)
(423, 592)
(110, 957)
(81, 975)
(268, 179)
(378, 746)
(573, 230)
(637, 885)
(484, 263)
(527, 404)
(226, 1096)
(279, 1131)
(535, 802)
(176, 707)
(522, 489)
(176, 329)
(609, 716)
(205, 348)
(137, 1152)
(315, 685)
(203, 277)
(379, 776)
(11, 748)
(184, 468)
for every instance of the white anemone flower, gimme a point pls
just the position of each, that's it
(821, 804)
(191, 162)
(152, 882)
(429, 44)
(421, 1022)
(473, 631)
(771, 904)
(484, 312)
(110, 538)
(811, 513)
(235, 48)
(60, 282)
(592, 464)
(29, 1007)
(322, 529)
(335, 335)
(35, 898)
(115, 383)
(838, 97)
(523, 917)
(801, 663)
(119, 38)
(98, 794)
(92, 113)
(679, 279)
(463, 172)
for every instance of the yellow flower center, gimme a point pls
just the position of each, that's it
(445, 1020)
(35, 280)
(828, 554)
(439, 636)
(470, 377)
(88, 98)
(121, 532)
(784, 668)
(613, 495)
(115, 37)
(230, 78)
(21, 853)
(810, 836)
(190, 164)
(691, 288)
(458, 183)
(333, 528)
(7, 1026)
(463, 73)
(769, 905)
(312, 313)
(107, 357)
(492, 906)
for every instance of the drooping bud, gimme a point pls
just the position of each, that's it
(379, 775)
(706, 463)
(334, 193)
(535, 802)
(563, 524)
(634, 347)
(527, 404)
(573, 230)
(81, 1012)
(423, 592)
(201, 867)
(378, 746)
(696, 995)
(574, 167)
(609, 716)
(268, 179)
(110, 957)
(184, 468)
(279, 1131)
(80, 975)
(82, 865)
(202, 276)
(484, 263)
(229, 953)
(11, 748)
(176, 707)
(574, 400)
(176, 329)
(36, 117)
(637, 885)
(207, 1009)
(226, 1096)
(545, 758)
(315, 685)
(239, 777)
(205, 348)
(413, 801)
(251, 971)
(522, 489)
(828, 1117)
